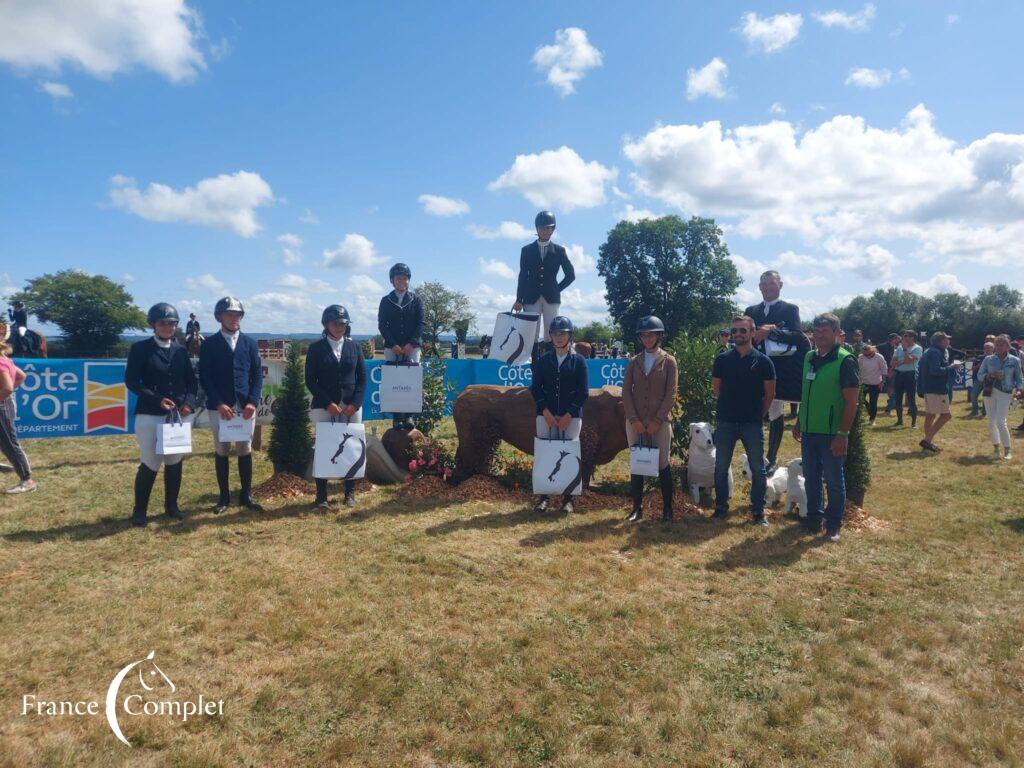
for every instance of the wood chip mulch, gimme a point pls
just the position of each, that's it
(856, 519)
(288, 486)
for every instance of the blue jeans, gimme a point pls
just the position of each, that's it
(751, 434)
(976, 388)
(818, 459)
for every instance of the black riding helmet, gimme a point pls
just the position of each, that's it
(161, 311)
(560, 323)
(544, 219)
(228, 304)
(335, 314)
(649, 324)
(399, 269)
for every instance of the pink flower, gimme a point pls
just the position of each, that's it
(408, 478)
(447, 474)
(412, 465)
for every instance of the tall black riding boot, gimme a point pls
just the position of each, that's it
(350, 493)
(776, 428)
(665, 478)
(224, 500)
(245, 475)
(144, 480)
(321, 492)
(636, 492)
(172, 485)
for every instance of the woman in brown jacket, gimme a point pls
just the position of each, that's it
(648, 395)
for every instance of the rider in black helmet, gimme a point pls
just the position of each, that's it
(648, 396)
(400, 322)
(336, 377)
(160, 374)
(559, 389)
(539, 290)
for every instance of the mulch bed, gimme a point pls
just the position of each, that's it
(288, 486)
(856, 519)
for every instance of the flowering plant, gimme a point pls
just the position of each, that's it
(430, 457)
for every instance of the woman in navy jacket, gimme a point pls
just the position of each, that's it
(231, 372)
(336, 377)
(559, 389)
(400, 322)
(160, 374)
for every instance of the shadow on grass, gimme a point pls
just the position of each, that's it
(1015, 524)
(129, 459)
(686, 531)
(495, 520)
(909, 455)
(974, 461)
(782, 548)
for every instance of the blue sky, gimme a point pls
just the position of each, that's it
(281, 152)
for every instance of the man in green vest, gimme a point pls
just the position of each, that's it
(831, 384)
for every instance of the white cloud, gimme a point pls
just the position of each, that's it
(6, 286)
(557, 178)
(364, 285)
(777, 109)
(872, 263)
(802, 282)
(225, 201)
(584, 307)
(354, 252)
(791, 259)
(744, 297)
(507, 230)
(749, 269)
(952, 19)
(629, 213)
(865, 77)
(295, 282)
(206, 282)
(103, 37)
(567, 60)
(848, 181)
(772, 33)
(619, 193)
(486, 303)
(943, 282)
(436, 205)
(308, 217)
(496, 268)
(853, 22)
(291, 248)
(709, 80)
(56, 90)
(127, 277)
(582, 261)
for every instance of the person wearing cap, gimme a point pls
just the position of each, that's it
(1001, 374)
(19, 328)
(559, 388)
(231, 372)
(905, 359)
(160, 374)
(539, 290)
(828, 406)
(400, 322)
(12, 377)
(934, 371)
(336, 377)
(780, 336)
(191, 328)
(649, 389)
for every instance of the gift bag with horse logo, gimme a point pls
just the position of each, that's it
(236, 429)
(174, 436)
(339, 450)
(514, 334)
(401, 387)
(557, 467)
(644, 457)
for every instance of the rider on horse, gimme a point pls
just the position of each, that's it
(23, 340)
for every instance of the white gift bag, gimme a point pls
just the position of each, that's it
(339, 450)
(401, 388)
(644, 459)
(174, 436)
(557, 467)
(514, 334)
(235, 430)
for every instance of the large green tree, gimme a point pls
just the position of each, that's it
(91, 310)
(443, 309)
(678, 270)
(884, 311)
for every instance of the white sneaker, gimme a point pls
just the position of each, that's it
(1007, 455)
(24, 486)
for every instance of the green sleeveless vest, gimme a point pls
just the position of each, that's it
(822, 404)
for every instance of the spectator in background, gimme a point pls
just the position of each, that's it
(955, 355)
(857, 341)
(725, 338)
(885, 349)
(935, 370)
(976, 381)
(873, 373)
(905, 359)
(1001, 373)
(12, 377)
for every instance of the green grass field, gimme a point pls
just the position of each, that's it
(424, 634)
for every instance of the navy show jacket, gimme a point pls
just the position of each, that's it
(538, 278)
(154, 373)
(230, 377)
(560, 389)
(400, 323)
(331, 380)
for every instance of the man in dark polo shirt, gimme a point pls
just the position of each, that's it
(743, 380)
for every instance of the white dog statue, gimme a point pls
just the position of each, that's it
(700, 470)
(776, 485)
(795, 493)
